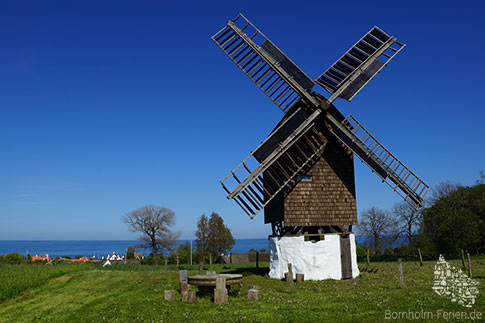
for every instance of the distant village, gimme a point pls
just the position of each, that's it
(108, 260)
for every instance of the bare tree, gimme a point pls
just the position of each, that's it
(377, 225)
(409, 219)
(153, 222)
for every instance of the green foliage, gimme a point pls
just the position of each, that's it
(263, 250)
(151, 261)
(457, 221)
(212, 237)
(252, 250)
(361, 251)
(13, 258)
(130, 253)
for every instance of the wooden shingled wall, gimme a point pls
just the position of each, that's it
(328, 199)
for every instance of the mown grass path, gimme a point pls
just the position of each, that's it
(131, 296)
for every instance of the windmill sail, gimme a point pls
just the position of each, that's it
(351, 72)
(289, 151)
(380, 160)
(264, 63)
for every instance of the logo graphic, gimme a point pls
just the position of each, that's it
(454, 284)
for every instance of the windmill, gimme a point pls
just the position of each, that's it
(302, 174)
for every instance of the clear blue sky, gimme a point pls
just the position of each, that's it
(107, 106)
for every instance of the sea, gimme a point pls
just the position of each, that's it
(100, 248)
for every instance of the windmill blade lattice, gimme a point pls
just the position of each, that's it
(351, 72)
(282, 158)
(264, 63)
(380, 160)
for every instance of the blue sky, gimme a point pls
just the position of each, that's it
(107, 106)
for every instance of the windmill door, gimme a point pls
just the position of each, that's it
(345, 256)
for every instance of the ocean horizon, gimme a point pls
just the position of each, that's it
(101, 248)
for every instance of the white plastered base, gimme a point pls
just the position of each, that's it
(316, 260)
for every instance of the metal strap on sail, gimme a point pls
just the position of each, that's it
(380, 160)
(264, 63)
(351, 72)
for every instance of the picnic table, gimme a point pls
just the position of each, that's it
(210, 280)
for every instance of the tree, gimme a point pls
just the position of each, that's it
(212, 237)
(409, 219)
(130, 252)
(153, 223)
(457, 220)
(378, 226)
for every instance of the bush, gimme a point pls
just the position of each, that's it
(14, 258)
(361, 251)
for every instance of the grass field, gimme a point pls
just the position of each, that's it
(135, 293)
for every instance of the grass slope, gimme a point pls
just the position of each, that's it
(126, 296)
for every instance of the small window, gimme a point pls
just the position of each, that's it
(305, 178)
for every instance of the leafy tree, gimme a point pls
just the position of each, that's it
(408, 221)
(361, 251)
(378, 226)
(130, 253)
(262, 250)
(252, 250)
(212, 237)
(14, 258)
(457, 220)
(153, 223)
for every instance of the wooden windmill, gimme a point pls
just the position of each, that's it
(303, 173)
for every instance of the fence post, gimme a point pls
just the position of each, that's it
(469, 265)
(420, 258)
(368, 261)
(166, 268)
(463, 258)
(401, 279)
(289, 277)
(257, 259)
(210, 261)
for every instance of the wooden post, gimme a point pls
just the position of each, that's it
(253, 295)
(401, 279)
(257, 259)
(220, 292)
(368, 261)
(183, 276)
(469, 265)
(177, 262)
(191, 296)
(420, 258)
(166, 268)
(184, 290)
(200, 268)
(300, 278)
(210, 261)
(190, 252)
(290, 276)
(463, 258)
(169, 295)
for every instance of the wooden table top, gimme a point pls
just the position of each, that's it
(210, 280)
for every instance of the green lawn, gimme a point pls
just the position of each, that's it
(135, 293)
